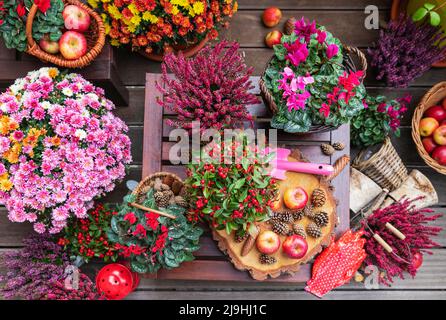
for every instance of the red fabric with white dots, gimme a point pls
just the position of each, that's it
(337, 264)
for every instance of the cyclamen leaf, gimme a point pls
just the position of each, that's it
(139, 267)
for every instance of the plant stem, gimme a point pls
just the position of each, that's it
(164, 214)
(440, 6)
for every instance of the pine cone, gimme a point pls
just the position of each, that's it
(313, 230)
(157, 184)
(240, 238)
(299, 230)
(162, 198)
(298, 215)
(321, 219)
(318, 197)
(339, 146)
(281, 228)
(179, 200)
(164, 187)
(308, 211)
(286, 217)
(266, 259)
(327, 149)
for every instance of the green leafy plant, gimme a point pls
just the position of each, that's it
(152, 241)
(377, 120)
(87, 238)
(429, 11)
(230, 196)
(308, 81)
(14, 23)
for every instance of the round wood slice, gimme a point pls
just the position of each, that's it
(284, 264)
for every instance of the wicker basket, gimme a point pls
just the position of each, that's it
(434, 96)
(95, 40)
(385, 167)
(268, 98)
(141, 189)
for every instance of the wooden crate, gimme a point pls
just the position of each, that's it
(211, 263)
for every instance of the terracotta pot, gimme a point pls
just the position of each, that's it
(399, 6)
(187, 51)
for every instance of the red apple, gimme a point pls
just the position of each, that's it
(273, 38)
(436, 112)
(295, 198)
(440, 136)
(268, 242)
(429, 144)
(295, 247)
(439, 155)
(73, 45)
(428, 126)
(76, 18)
(444, 103)
(417, 260)
(271, 16)
(51, 47)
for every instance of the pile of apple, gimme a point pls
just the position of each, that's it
(295, 247)
(433, 132)
(72, 44)
(271, 17)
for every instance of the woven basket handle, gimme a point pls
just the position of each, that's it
(289, 28)
(339, 165)
(29, 28)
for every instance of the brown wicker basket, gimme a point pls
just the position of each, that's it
(268, 98)
(145, 184)
(95, 40)
(434, 96)
(385, 167)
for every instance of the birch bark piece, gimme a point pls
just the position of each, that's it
(362, 190)
(416, 185)
(284, 264)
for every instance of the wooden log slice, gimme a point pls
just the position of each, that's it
(284, 264)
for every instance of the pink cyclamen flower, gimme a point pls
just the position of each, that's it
(332, 50)
(321, 36)
(305, 29)
(297, 52)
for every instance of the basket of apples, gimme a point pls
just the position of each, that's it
(429, 127)
(83, 37)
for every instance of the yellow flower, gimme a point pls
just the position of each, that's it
(115, 42)
(53, 72)
(175, 10)
(5, 185)
(4, 176)
(136, 20)
(181, 3)
(107, 28)
(147, 16)
(114, 12)
(133, 9)
(11, 156)
(235, 7)
(198, 7)
(132, 28)
(93, 3)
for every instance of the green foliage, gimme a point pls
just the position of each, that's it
(230, 196)
(374, 123)
(167, 243)
(427, 11)
(13, 27)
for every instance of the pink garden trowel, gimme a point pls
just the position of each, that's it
(280, 164)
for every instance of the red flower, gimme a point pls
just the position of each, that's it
(43, 5)
(152, 220)
(325, 110)
(140, 230)
(130, 217)
(21, 10)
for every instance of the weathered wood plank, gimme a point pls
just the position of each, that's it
(314, 4)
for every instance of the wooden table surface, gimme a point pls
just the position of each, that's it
(345, 18)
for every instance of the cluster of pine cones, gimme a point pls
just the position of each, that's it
(168, 191)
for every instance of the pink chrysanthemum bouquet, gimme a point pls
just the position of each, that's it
(60, 146)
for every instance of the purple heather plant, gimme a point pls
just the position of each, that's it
(405, 50)
(212, 87)
(37, 272)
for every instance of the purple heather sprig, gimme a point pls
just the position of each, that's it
(37, 272)
(212, 87)
(405, 50)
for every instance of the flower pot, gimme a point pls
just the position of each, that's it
(188, 51)
(433, 97)
(399, 6)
